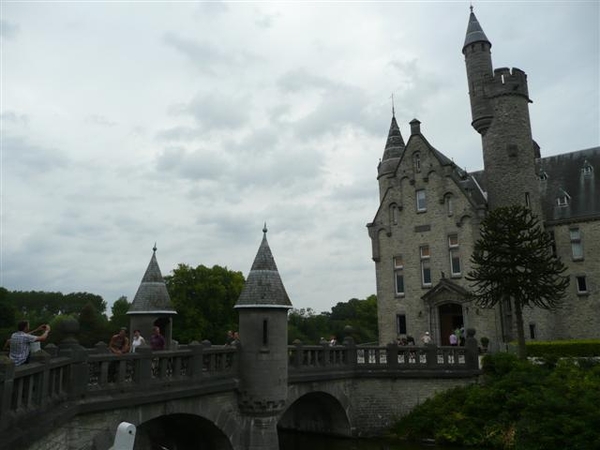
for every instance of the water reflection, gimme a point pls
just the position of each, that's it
(303, 441)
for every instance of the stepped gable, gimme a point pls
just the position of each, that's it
(578, 175)
(152, 295)
(264, 287)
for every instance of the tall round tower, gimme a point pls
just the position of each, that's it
(500, 109)
(478, 59)
(262, 308)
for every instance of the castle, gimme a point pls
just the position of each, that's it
(430, 213)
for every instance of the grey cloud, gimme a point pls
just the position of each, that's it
(197, 165)
(206, 56)
(8, 30)
(98, 119)
(215, 111)
(212, 8)
(265, 20)
(14, 117)
(26, 158)
(299, 80)
(180, 133)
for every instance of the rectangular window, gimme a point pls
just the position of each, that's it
(399, 275)
(421, 200)
(581, 284)
(454, 255)
(527, 200)
(449, 205)
(576, 247)
(401, 323)
(532, 330)
(552, 243)
(425, 265)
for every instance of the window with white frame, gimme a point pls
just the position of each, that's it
(454, 252)
(576, 246)
(552, 243)
(425, 265)
(421, 200)
(581, 284)
(399, 275)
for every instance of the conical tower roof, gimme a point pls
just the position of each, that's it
(264, 288)
(152, 295)
(395, 144)
(394, 147)
(474, 31)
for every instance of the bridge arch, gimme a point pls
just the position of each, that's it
(181, 431)
(316, 412)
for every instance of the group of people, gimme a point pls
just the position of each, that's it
(119, 343)
(233, 338)
(24, 341)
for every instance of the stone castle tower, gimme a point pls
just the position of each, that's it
(500, 113)
(263, 306)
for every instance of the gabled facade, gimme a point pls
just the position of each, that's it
(430, 213)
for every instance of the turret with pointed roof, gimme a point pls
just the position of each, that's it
(394, 148)
(152, 304)
(263, 306)
(478, 58)
(264, 287)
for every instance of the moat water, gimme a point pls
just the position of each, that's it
(299, 441)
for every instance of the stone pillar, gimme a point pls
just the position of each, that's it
(472, 350)
(7, 375)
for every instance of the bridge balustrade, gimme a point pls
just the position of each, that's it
(77, 373)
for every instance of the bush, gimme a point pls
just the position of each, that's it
(571, 348)
(518, 405)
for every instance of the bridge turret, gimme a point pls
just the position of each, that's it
(263, 306)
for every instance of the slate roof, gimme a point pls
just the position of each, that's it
(263, 287)
(574, 176)
(474, 32)
(152, 295)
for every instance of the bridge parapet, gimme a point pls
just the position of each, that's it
(63, 380)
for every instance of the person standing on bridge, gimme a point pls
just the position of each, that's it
(157, 341)
(426, 338)
(20, 340)
(137, 340)
(119, 343)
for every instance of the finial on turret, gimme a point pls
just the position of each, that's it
(471, 7)
(154, 248)
(265, 228)
(393, 110)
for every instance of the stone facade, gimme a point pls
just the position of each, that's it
(430, 212)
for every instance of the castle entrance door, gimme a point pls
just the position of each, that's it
(451, 318)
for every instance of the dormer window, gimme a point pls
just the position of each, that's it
(587, 170)
(543, 176)
(563, 198)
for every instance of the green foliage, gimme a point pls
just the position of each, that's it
(361, 315)
(93, 326)
(204, 299)
(518, 405)
(119, 317)
(573, 348)
(512, 261)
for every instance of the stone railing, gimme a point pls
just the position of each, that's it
(71, 374)
(391, 359)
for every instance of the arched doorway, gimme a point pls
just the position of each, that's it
(451, 318)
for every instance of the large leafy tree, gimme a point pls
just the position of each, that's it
(204, 299)
(512, 261)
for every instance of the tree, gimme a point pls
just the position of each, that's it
(119, 317)
(204, 299)
(513, 261)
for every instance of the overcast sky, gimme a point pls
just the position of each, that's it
(192, 124)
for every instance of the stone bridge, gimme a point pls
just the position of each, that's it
(73, 398)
